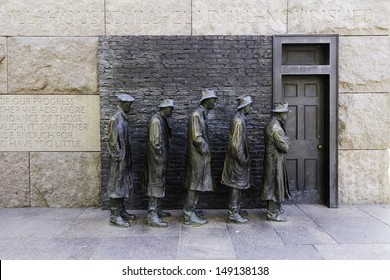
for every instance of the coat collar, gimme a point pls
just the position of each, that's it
(204, 111)
(241, 115)
(123, 114)
(281, 122)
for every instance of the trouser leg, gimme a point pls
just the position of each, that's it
(234, 207)
(234, 200)
(191, 201)
(190, 216)
(153, 204)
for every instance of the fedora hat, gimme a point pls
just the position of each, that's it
(208, 93)
(244, 101)
(125, 98)
(280, 107)
(167, 103)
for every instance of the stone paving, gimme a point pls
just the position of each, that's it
(312, 232)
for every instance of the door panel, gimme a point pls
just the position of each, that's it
(305, 128)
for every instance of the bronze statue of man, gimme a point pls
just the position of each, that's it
(198, 168)
(236, 169)
(120, 182)
(159, 133)
(275, 182)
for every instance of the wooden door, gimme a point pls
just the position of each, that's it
(305, 128)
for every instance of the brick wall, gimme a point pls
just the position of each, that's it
(154, 67)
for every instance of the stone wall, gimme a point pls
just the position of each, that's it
(50, 48)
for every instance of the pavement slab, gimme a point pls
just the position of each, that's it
(312, 232)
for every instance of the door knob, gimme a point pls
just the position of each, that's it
(320, 147)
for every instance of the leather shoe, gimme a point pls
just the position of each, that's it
(127, 216)
(118, 221)
(193, 219)
(276, 218)
(155, 221)
(163, 214)
(237, 219)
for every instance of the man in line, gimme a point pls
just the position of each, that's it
(236, 170)
(275, 182)
(159, 133)
(120, 182)
(198, 172)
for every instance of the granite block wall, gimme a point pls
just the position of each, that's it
(49, 49)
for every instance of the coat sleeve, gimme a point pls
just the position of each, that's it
(280, 140)
(197, 136)
(155, 140)
(237, 143)
(113, 144)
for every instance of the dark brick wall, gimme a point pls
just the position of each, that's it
(151, 68)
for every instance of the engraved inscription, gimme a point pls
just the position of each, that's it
(233, 16)
(46, 123)
(329, 16)
(243, 16)
(147, 17)
(52, 17)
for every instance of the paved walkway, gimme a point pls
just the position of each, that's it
(313, 232)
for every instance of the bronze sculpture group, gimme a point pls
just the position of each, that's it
(236, 171)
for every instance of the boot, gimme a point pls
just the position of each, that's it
(115, 217)
(153, 218)
(243, 213)
(155, 221)
(199, 213)
(190, 218)
(281, 210)
(276, 218)
(273, 212)
(161, 213)
(190, 214)
(125, 215)
(236, 218)
(234, 208)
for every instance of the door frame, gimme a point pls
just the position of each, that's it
(329, 69)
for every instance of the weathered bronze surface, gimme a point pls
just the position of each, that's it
(198, 169)
(159, 133)
(120, 177)
(275, 182)
(236, 170)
